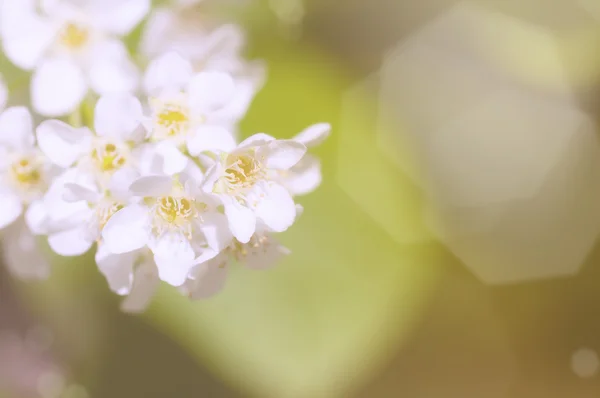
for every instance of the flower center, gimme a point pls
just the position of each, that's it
(74, 36)
(175, 213)
(26, 175)
(27, 172)
(171, 121)
(109, 157)
(171, 209)
(242, 172)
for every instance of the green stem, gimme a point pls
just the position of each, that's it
(87, 112)
(84, 115)
(75, 118)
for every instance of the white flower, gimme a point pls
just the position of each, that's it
(171, 29)
(131, 274)
(117, 121)
(305, 176)
(187, 33)
(263, 251)
(71, 46)
(176, 221)
(78, 207)
(208, 49)
(25, 174)
(242, 179)
(102, 166)
(186, 106)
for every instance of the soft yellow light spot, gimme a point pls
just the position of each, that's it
(74, 36)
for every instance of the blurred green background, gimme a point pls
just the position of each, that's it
(374, 301)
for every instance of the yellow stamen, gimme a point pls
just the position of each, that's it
(74, 36)
(26, 172)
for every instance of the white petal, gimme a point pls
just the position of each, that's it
(277, 208)
(60, 214)
(314, 135)
(191, 179)
(22, 255)
(75, 193)
(266, 256)
(57, 87)
(72, 242)
(225, 41)
(304, 177)
(242, 221)
(61, 143)
(174, 258)
(48, 7)
(156, 35)
(206, 254)
(148, 161)
(87, 186)
(173, 161)
(26, 37)
(237, 107)
(117, 268)
(152, 186)
(13, 11)
(127, 230)
(120, 17)
(112, 70)
(36, 217)
(170, 72)
(216, 230)
(209, 91)
(212, 176)
(211, 138)
(11, 208)
(145, 283)
(282, 154)
(210, 279)
(121, 181)
(118, 115)
(192, 176)
(256, 139)
(16, 128)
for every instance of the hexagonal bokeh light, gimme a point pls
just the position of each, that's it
(512, 169)
(584, 362)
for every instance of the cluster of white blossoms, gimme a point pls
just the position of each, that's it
(138, 156)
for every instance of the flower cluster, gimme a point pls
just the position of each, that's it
(140, 158)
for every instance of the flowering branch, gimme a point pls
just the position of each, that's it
(152, 174)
